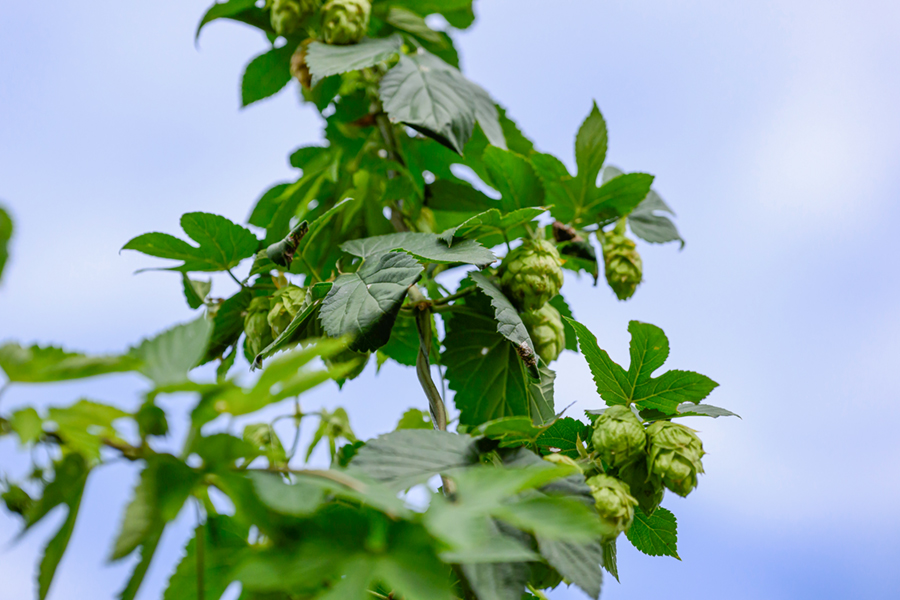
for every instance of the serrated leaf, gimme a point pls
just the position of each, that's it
(228, 323)
(563, 435)
(490, 222)
(148, 549)
(618, 196)
(497, 581)
(655, 535)
(168, 357)
(222, 545)
(652, 227)
(403, 458)
(560, 304)
(578, 563)
(509, 323)
(365, 304)
(511, 431)
(221, 243)
(222, 10)
(673, 388)
(453, 196)
(56, 547)
(610, 561)
(428, 247)
(590, 148)
(267, 74)
(484, 369)
(649, 350)
(611, 379)
(37, 364)
(6, 232)
(324, 60)
(514, 177)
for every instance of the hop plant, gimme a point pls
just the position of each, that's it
(646, 487)
(614, 502)
(345, 21)
(675, 453)
(624, 269)
(619, 436)
(545, 327)
(256, 326)
(285, 305)
(531, 274)
(287, 16)
(347, 356)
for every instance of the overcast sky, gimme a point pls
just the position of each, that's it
(773, 131)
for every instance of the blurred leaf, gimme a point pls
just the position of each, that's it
(560, 304)
(229, 8)
(37, 364)
(84, 425)
(514, 177)
(6, 232)
(427, 247)
(410, 22)
(578, 563)
(195, 291)
(656, 534)
(265, 439)
(327, 59)
(28, 425)
(651, 227)
(490, 222)
(267, 74)
(414, 419)
(222, 546)
(167, 358)
(563, 435)
(333, 425)
(228, 323)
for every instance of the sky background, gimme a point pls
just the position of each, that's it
(773, 131)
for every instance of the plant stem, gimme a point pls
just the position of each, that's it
(452, 297)
(236, 280)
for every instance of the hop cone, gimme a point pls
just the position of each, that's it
(256, 326)
(288, 15)
(545, 327)
(285, 305)
(531, 274)
(614, 503)
(619, 436)
(345, 21)
(299, 68)
(624, 269)
(675, 453)
(647, 489)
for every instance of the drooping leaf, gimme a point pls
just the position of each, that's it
(37, 364)
(329, 59)
(511, 431)
(168, 357)
(509, 323)
(689, 409)
(578, 563)
(365, 304)
(497, 580)
(427, 247)
(656, 534)
(228, 323)
(650, 226)
(267, 74)
(221, 244)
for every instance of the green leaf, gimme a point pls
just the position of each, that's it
(37, 364)
(299, 499)
(84, 425)
(612, 381)
(578, 563)
(403, 458)
(563, 435)
(228, 323)
(514, 177)
(290, 334)
(410, 22)
(511, 431)
(689, 409)
(491, 223)
(434, 98)
(167, 358)
(618, 196)
(265, 439)
(403, 345)
(414, 419)
(223, 542)
(221, 243)
(328, 59)
(590, 149)
(267, 74)
(610, 562)
(195, 292)
(365, 304)
(148, 549)
(28, 425)
(656, 534)
(497, 581)
(484, 369)
(427, 247)
(560, 304)
(509, 323)
(668, 391)
(650, 226)
(223, 10)
(56, 547)
(6, 232)
(649, 350)
(447, 195)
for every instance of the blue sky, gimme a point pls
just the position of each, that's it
(773, 132)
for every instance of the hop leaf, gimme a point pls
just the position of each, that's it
(675, 453)
(285, 305)
(256, 326)
(288, 15)
(345, 21)
(624, 269)
(619, 436)
(547, 333)
(531, 274)
(646, 487)
(614, 502)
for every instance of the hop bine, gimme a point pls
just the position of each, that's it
(624, 269)
(545, 327)
(345, 21)
(531, 274)
(675, 453)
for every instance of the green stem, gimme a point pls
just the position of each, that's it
(460, 294)
(236, 280)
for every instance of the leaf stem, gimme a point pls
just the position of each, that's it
(460, 294)
(236, 280)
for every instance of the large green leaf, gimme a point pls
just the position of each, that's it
(267, 74)
(427, 247)
(649, 349)
(514, 177)
(650, 226)
(656, 535)
(590, 149)
(37, 364)
(509, 323)
(618, 196)
(578, 563)
(365, 304)
(167, 358)
(6, 231)
(329, 59)
(221, 243)
(485, 370)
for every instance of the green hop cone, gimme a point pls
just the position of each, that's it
(287, 16)
(624, 269)
(619, 436)
(647, 488)
(531, 274)
(345, 21)
(285, 305)
(256, 326)
(614, 503)
(675, 453)
(545, 327)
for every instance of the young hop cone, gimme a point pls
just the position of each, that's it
(256, 326)
(624, 269)
(619, 436)
(285, 305)
(545, 327)
(287, 16)
(675, 453)
(646, 488)
(614, 503)
(345, 21)
(531, 274)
